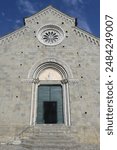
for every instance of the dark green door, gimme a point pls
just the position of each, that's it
(50, 104)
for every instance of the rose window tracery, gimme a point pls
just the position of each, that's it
(50, 35)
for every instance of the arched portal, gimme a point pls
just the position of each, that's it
(50, 98)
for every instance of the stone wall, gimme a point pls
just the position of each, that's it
(78, 53)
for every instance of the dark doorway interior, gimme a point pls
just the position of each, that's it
(50, 112)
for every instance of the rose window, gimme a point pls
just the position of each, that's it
(50, 35)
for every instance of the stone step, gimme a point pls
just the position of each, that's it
(36, 132)
(49, 133)
(53, 141)
(46, 134)
(49, 137)
(47, 130)
(47, 140)
(49, 145)
(53, 137)
(51, 148)
(49, 127)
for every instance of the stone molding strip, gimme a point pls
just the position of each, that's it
(13, 35)
(50, 10)
(32, 80)
(89, 37)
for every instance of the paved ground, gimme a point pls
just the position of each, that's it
(16, 147)
(11, 147)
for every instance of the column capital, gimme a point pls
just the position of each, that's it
(36, 81)
(64, 81)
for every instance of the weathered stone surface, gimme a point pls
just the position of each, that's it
(20, 55)
(80, 147)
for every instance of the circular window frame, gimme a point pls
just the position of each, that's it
(52, 28)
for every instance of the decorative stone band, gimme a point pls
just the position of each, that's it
(50, 10)
(74, 81)
(14, 35)
(27, 80)
(35, 81)
(87, 36)
(64, 81)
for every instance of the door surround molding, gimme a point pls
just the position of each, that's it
(63, 82)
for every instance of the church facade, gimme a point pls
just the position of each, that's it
(49, 79)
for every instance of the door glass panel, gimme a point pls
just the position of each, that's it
(43, 93)
(56, 95)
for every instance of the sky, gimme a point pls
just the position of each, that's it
(87, 13)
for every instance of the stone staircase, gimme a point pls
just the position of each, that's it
(48, 137)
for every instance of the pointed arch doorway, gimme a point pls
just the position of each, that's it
(50, 98)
